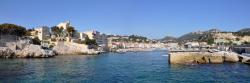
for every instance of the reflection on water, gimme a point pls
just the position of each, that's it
(128, 67)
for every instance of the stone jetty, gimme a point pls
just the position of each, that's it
(203, 57)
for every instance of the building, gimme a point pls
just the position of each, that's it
(191, 45)
(224, 37)
(43, 33)
(92, 34)
(101, 39)
(64, 35)
(82, 36)
(64, 25)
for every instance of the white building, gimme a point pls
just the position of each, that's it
(191, 45)
(82, 36)
(43, 33)
(101, 39)
(64, 25)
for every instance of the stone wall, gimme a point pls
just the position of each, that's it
(202, 57)
(68, 48)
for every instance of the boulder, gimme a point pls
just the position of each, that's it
(35, 51)
(22, 48)
(5, 52)
(195, 58)
(247, 61)
(244, 59)
(231, 57)
(216, 59)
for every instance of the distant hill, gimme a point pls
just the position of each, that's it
(198, 35)
(168, 38)
(204, 35)
(190, 37)
(244, 30)
(213, 30)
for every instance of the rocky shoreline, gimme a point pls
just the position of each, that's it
(64, 48)
(205, 57)
(24, 49)
(29, 51)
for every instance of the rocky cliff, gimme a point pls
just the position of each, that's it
(23, 49)
(67, 48)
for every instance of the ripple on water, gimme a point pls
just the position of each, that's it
(149, 67)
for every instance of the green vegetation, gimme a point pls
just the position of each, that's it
(121, 39)
(87, 41)
(191, 37)
(246, 42)
(28, 32)
(70, 31)
(57, 31)
(237, 39)
(210, 41)
(169, 39)
(12, 29)
(36, 41)
(132, 38)
(242, 33)
(135, 38)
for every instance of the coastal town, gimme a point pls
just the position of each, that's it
(125, 41)
(64, 39)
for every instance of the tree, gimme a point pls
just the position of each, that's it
(36, 41)
(12, 29)
(135, 38)
(210, 41)
(245, 42)
(56, 31)
(28, 32)
(70, 31)
(88, 41)
(237, 39)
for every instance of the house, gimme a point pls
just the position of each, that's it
(101, 39)
(64, 25)
(42, 33)
(191, 45)
(82, 36)
(223, 37)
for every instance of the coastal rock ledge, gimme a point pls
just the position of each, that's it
(6, 52)
(64, 48)
(28, 51)
(202, 57)
(34, 51)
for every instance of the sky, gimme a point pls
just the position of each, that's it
(151, 18)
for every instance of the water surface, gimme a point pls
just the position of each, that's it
(139, 67)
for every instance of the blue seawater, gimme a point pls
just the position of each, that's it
(130, 67)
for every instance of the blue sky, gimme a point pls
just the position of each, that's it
(150, 18)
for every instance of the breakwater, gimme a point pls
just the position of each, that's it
(205, 57)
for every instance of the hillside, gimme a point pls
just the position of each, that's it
(191, 37)
(168, 38)
(244, 30)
